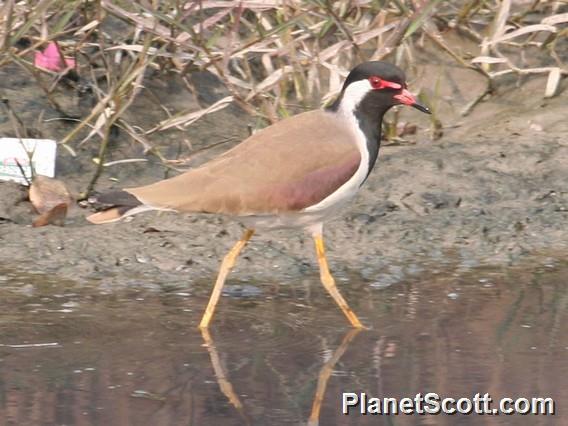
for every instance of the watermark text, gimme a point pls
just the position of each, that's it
(432, 403)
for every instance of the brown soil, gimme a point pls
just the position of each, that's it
(492, 190)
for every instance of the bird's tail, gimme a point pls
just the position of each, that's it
(115, 205)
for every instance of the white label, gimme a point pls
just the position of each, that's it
(14, 151)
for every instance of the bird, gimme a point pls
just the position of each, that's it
(296, 173)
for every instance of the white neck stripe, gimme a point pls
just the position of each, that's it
(352, 96)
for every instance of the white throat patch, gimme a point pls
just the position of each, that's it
(354, 94)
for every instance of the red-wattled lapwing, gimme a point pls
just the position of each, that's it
(295, 173)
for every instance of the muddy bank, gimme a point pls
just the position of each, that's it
(492, 190)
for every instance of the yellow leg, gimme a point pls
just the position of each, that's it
(329, 283)
(226, 265)
(325, 374)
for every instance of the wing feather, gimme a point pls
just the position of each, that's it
(288, 166)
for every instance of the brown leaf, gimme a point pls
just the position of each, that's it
(47, 193)
(55, 216)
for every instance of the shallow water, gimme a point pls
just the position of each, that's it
(81, 355)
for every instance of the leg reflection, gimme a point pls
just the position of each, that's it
(224, 383)
(325, 374)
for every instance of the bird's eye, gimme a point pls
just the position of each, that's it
(376, 82)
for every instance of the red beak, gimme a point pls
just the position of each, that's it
(407, 98)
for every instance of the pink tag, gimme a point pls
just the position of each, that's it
(50, 59)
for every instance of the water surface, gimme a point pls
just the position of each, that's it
(83, 355)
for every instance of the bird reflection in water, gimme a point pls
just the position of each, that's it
(325, 373)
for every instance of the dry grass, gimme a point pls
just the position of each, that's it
(270, 54)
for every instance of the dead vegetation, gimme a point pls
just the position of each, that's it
(273, 56)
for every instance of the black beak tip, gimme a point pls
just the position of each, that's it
(422, 108)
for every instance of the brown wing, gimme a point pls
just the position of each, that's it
(288, 166)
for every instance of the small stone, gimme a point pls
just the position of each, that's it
(141, 258)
